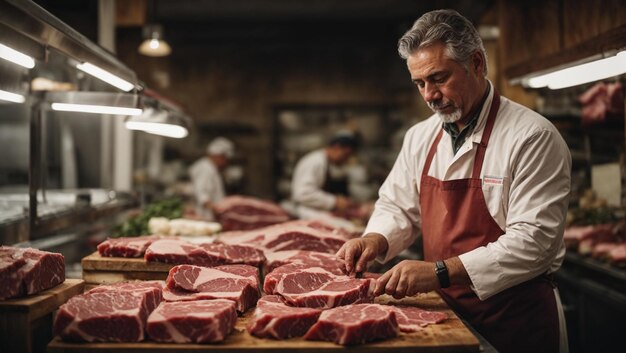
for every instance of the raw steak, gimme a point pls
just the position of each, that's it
(278, 274)
(113, 313)
(294, 235)
(302, 257)
(354, 324)
(198, 321)
(9, 275)
(175, 251)
(29, 271)
(239, 283)
(617, 256)
(411, 319)
(602, 250)
(126, 247)
(235, 254)
(244, 213)
(583, 238)
(274, 319)
(317, 287)
(42, 270)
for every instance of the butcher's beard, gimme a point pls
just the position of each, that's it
(446, 118)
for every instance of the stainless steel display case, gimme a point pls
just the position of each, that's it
(27, 210)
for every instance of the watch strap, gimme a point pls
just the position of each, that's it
(442, 274)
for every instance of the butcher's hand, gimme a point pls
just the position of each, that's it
(410, 277)
(356, 253)
(342, 203)
(407, 278)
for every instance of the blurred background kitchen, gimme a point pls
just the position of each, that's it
(278, 78)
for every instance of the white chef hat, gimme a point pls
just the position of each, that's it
(221, 146)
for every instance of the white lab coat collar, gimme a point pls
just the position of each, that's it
(477, 134)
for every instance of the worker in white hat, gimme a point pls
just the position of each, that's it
(205, 174)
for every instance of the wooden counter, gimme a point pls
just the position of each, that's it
(449, 336)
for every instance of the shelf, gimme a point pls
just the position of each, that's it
(17, 230)
(612, 39)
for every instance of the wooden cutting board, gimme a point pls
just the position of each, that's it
(449, 336)
(95, 262)
(26, 323)
(105, 270)
(43, 302)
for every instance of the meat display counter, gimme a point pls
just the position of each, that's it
(57, 210)
(594, 301)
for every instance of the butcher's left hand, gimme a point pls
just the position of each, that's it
(408, 278)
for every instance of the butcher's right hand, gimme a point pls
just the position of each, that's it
(356, 253)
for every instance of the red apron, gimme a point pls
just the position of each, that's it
(455, 220)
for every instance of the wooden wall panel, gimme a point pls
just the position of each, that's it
(130, 13)
(238, 82)
(537, 36)
(529, 29)
(583, 20)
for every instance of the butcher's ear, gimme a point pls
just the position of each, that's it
(478, 62)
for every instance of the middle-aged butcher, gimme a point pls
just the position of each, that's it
(486, 180)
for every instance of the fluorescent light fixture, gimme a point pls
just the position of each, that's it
(96, 109)
(16, 57)
(580, 74)
(11, 97)
(159, 122)
(106, 76)
(162, 129)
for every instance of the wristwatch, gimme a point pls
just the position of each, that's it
(442, 274)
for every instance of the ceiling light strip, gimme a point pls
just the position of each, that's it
(95, 109)
(169, 130)
(16, 57)
(106, 76)
(11, 97)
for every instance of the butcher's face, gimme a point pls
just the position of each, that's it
(450, 89)
(220, 161)
(339, 155)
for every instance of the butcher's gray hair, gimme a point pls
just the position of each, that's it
(456, 32)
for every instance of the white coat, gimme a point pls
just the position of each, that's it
(308, 181)
(526, 184)
(207, 182)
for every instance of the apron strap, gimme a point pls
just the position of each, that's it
(482, 146)
(431, 154)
